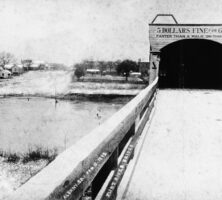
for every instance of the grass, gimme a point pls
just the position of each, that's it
(32, 155)
(105, 86)
(110, 79)
(12, 157)
(1, 153)
(39, 153)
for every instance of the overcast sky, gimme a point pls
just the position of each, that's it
(68, 31)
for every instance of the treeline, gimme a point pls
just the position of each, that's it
(102, 66)
(118, 67)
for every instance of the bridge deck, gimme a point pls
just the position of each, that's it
(181, 157)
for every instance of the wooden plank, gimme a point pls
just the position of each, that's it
(110, 192)
(145, 117)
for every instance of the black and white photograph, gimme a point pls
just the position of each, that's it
(110, 100)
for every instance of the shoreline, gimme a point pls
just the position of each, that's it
(73, 96)
(13, 175)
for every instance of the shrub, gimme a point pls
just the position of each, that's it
(32, 155)
(79, 71)
(12, 157)
(39, 153)
(1, 153)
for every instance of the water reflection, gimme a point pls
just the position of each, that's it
(30, 122)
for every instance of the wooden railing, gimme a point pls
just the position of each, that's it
(81, 170)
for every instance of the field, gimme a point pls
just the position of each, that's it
(61, 84)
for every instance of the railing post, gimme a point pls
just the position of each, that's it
(99, 180)
(114, 159)
(132, 130)
(114, 163)
(88, 194)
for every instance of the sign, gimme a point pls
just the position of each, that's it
(161, 35)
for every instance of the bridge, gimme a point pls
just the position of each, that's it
(162, 144)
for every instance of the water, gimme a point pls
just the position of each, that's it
(31, 122)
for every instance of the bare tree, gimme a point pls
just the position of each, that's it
(6, 58)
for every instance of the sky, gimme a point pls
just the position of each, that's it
(68, 31)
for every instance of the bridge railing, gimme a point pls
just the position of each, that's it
(81, 170)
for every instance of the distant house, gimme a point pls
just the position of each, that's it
(135, 74)
(9, 66)
(34, 66)
(17, 69)
(38, 65)
(92, 71)
(47, 66)
(5, 74)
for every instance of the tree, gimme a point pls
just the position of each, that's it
(88, 64)
(102, 67)
(125, 67)
(6, 58)
(79, 71)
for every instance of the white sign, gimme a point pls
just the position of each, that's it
(160, 35)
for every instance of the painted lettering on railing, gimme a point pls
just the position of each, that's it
(119, 173)
(89, 171)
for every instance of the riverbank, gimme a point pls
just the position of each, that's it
(13, 175)
(111, 98)
(59, 84)
(40, 121)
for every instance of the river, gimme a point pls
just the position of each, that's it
(41, 122)
(30, 119)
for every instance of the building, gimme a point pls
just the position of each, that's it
(135, 74)
(9, 66)
(34, 66)
(92, 71)
(185, 55)
(5, 74)
(37, 65)
(17, 69)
